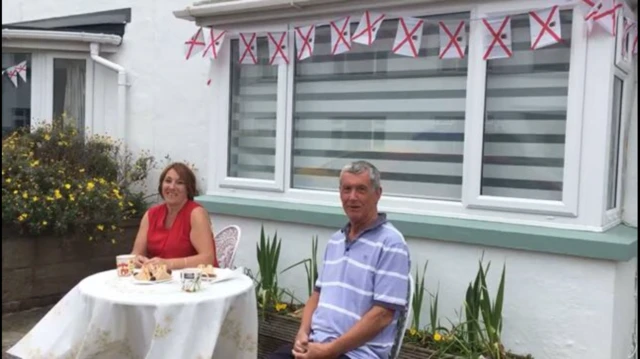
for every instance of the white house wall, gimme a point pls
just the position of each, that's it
(166, 94)
(555, 307)
(630, 202)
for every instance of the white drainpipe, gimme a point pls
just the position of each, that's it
(122, 90)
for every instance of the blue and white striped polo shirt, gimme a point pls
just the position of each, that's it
(372, 269)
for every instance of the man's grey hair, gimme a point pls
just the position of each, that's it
(358, 167)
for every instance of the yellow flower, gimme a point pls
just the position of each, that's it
(35, 198)
(113, 241)
(67, 186)
(100, 227)
(15, 191)
(44, 223)
(71, 198)
(49, 198)
(22, 217)
(413, 332)
(34, 163)
(57, 194)
(130, 204)
(90, 186)
(81, 170)
(8, 180)
(281, 306)
(47, 137)
(25, 195)
(437, 337)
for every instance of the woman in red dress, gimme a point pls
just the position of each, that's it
(176, 233)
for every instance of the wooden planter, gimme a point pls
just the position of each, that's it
(276, 330)
(38, 271)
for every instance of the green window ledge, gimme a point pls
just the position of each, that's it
(617, 244)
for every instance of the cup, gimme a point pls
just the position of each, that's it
(124, 264)
(191, 280)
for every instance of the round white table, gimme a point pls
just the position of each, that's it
(105, 316)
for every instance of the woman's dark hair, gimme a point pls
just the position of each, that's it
(185, 173)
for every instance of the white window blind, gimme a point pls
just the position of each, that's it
(252, 122)
(405, 115)
(525, 117)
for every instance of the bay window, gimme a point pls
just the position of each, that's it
(501, 139)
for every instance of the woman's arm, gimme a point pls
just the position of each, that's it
(201, 239)
(140, 244)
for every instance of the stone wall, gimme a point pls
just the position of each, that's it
(38, 271)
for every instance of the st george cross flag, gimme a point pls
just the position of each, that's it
(216, 39)
(305, 40)
(194, 45)
(453, 39)
(367, 29)
(278, 43)
(605, 15)
(340, 36)
(496, 38)
(248, 53)
(587, 8)
(545, 27)
(21, 70)
(13, 75)
(408, 36)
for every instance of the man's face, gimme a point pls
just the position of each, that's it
(359, 198)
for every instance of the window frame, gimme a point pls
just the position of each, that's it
(49, 57)
(613, 216)
(625, 64)
(565, 214)
(42, 84)
(475, 122)
(222, 68)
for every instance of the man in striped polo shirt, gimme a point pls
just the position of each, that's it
(364, 283)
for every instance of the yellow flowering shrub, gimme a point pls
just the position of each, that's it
(57, 181)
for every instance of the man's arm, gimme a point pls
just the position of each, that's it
(371, 324)
(309, 308)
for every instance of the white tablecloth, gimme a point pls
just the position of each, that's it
(109, 317)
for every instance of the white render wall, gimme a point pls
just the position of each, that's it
(166, 110)
(555, 306)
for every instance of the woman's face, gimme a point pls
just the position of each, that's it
(174, 189)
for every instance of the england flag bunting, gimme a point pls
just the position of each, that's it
(408, 37)
(367, 29)
(604, 14)
(545, 27)
(194, 45)
(216, 39)
(278, 43)
(248, 53)
(21, 70)
(13, 75)
(496, 38)
(340, 36)
(453, 39)
(305, 41)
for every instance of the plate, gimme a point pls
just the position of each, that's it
(136, 281)
(222, 274)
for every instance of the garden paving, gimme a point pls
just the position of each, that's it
(17, 325)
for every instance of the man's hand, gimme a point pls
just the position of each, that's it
(317, 351)
(301, 342)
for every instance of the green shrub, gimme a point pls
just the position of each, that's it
(56, 181)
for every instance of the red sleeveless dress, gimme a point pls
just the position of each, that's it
(174, 242)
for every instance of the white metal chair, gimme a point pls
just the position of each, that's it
(403, 323)
(227, 241)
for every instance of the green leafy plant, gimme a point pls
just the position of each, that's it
(492, 314)
(268, 255)
(433, 314)
(472, 311)
(418, 296)
(58, 181)
(310, 266)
